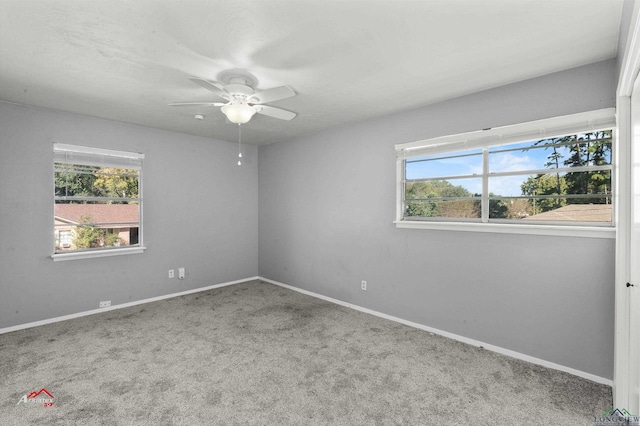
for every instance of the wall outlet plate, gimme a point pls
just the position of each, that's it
(105, 304)
(181, 273)
(172, 273)
(363, 285)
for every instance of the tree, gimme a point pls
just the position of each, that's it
(88, 236)
(553, 160)
(112, 182)
(416, 193)
(543, 184)
(498, 209)
(590, 149)
(73, 181)
(423, 200)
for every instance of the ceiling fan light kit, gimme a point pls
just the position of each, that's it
(238, 112)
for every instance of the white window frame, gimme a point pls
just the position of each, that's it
(101, 157)
(542, 129)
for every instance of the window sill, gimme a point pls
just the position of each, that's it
(100, 253)
(505, 228)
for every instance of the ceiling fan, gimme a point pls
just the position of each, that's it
(242, 100)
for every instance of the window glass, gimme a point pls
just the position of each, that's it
(464, 163)
(565, 179)
(96, 207)
(444, 198)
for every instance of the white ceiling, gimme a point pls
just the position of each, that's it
(348, 60)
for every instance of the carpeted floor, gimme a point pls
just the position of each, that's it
(258, 354)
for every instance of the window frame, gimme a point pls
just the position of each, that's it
(84, 155)
(603, 119)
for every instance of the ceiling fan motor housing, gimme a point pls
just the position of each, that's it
(238, 89)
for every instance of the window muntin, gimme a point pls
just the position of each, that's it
(561, 180)
(97, 200)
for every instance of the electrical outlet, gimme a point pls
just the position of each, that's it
(363, 285)
(172, 273)
(181, 273)
(105, 304)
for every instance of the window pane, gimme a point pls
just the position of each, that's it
(588, 149)
(452, 188)
(111, 182)
(72, 180)
(97, 200)
(95, 225)
(462, 163)
(528, 158)
(464, 208)
(513, 208)
(593, 209)
(77, 180)
(542, 179)
(444, 198)
(571, 184)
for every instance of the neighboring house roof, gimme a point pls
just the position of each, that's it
(99, 213)
(577, 213)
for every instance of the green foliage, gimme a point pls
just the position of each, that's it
(421, 191)
(112, 182)
(423, 200)
(87, 236)
(545, 184)
(589, 149)
(498, 209)
(89, 181)
(71, 182)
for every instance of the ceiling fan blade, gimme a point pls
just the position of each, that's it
(274, 112)
(211, 86)
(216, 104)
(271, 95)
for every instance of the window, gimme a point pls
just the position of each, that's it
(97, 202)
(555, 172)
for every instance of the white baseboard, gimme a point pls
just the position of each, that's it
(497, 349)
(120, 306)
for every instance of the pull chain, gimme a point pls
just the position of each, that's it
(239, 144)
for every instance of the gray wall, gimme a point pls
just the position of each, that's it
(327, 202)
(623, 37)
(200, 212)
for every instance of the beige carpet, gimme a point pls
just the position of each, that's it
(258, 354)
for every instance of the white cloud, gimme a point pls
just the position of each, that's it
(509, 162)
